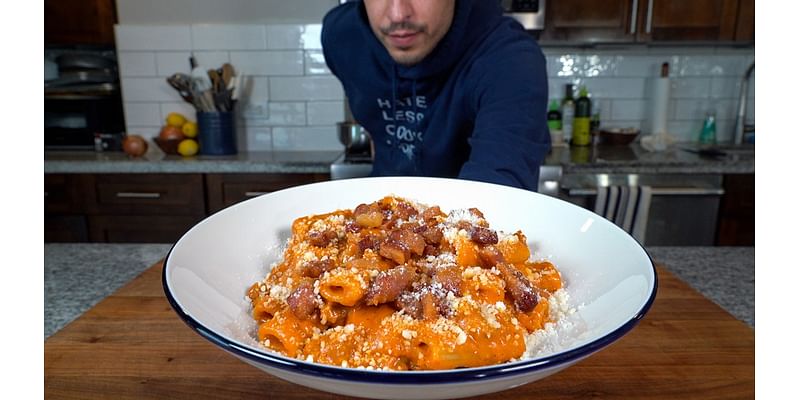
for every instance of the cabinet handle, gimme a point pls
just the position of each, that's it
(649, 24)
(138, 195)
(678, 191)
(634, 16)
(254, 194)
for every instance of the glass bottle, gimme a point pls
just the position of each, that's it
(708, 135)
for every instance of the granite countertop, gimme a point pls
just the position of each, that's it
(680, 158)
(78, 276)
(597, 159)
(158, 162)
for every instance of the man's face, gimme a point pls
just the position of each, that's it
(410, 29)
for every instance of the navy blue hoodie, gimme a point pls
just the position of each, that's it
(474, 108)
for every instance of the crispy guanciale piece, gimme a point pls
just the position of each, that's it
(315, 268)
(431, 214)
(388, 285)
(490, 256)
(525, 297)
(368, 215)
(404, 211)
(449, 278)
(368, 242)
(322, 239)
(483, 236)
(303, 301)
(431, 234)
(520, 288)
(394, 251)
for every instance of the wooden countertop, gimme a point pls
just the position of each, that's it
(132, 345)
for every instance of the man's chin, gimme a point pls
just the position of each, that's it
(406, 57)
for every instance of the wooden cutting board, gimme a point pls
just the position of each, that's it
(132, 345)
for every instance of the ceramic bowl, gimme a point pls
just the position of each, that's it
(610, 278)
(618, 136)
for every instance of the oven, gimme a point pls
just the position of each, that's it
(83, 102)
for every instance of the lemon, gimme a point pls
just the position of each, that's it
(188, 147)
(176, 119)
(189, 129)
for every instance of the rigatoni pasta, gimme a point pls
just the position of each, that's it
(398, 285)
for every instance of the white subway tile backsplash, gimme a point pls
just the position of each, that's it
(153, 37)
(315, 63)
(142, 114)
(148, 90)
(691, 88)
(294, 36)
(229, 37)
(172, 62)
(264, 63)
(306, 138)
(617, 88)
(308, 88)
(628, 109)
(136, 63)
(258, 138)
(691, 109)
(254, 89)
(147, 132)
(325, 112)
(212, 59)
(184, 108)
(291, 101)
(725, 87)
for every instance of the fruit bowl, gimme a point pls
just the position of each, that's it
(168, 146)
(618, 136)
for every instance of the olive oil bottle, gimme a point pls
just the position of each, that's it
(581, 129)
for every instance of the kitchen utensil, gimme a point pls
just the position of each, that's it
(354, 137)
(227, 73)
(182, 86)
(199, 75)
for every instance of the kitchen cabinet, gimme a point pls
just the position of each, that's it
(64, 218)
(589, 21)
(228, 189)
(147, 208)
(737, 214)
(79, 22)
(649, 21)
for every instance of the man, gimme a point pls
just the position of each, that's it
(448, 88)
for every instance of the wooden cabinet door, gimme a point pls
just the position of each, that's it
(746, 21)
(687, 20)
(588, 21)
(228, 189)
(79, 22)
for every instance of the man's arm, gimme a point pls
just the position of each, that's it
(510, 139)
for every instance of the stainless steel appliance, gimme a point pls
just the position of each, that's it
(682, 209)
(356, 161)
(529, 13)
(82, 102)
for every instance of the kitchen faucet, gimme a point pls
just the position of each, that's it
(740, 128)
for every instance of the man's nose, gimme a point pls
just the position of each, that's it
(400, 10)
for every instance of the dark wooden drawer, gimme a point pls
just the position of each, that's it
(225, 190)
(140, 228)
(147, 194)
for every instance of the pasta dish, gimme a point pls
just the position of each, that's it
(398, 285)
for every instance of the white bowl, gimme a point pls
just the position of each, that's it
(609, 276)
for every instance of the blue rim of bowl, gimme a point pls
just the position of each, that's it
(410, 377)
